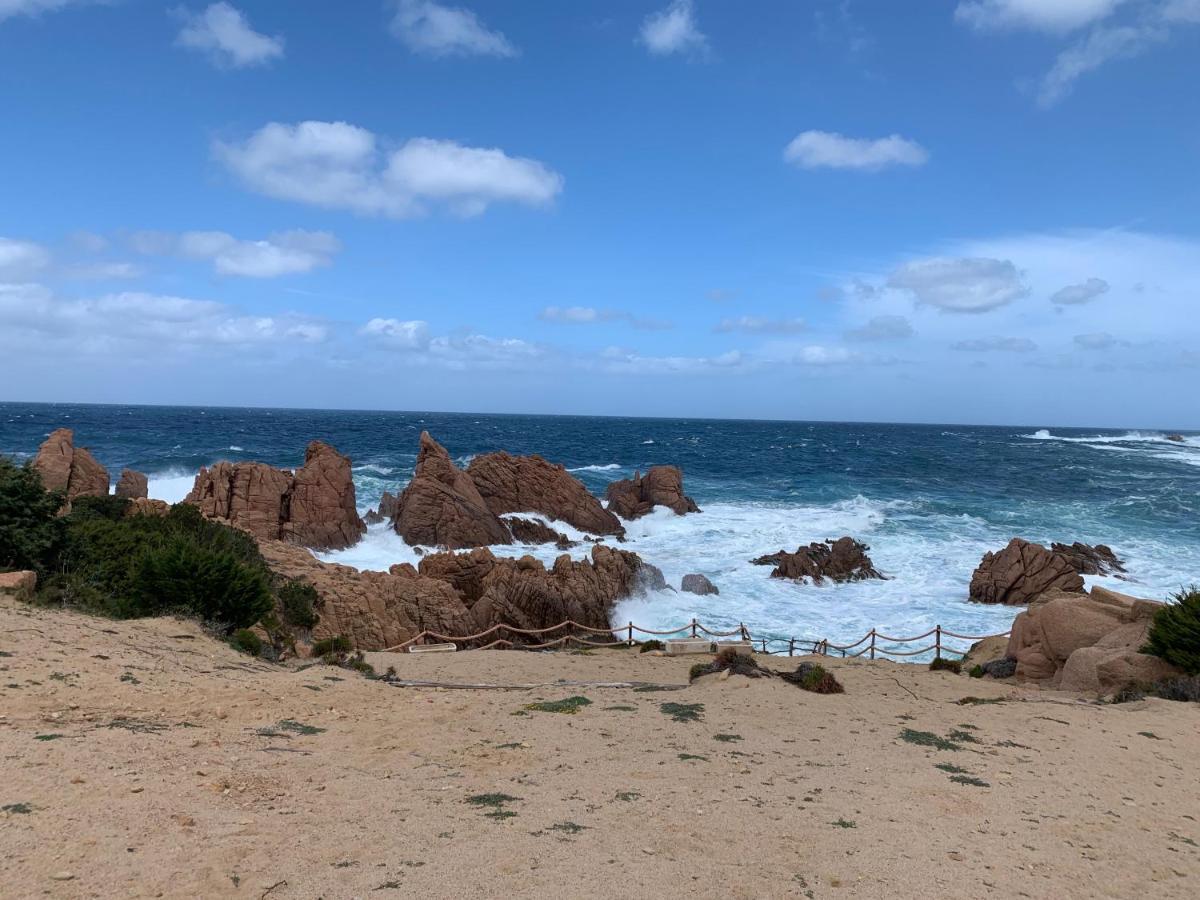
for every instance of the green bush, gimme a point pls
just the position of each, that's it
(247, 641)
(1175, 631)
(297, 599)
(942, 664)
(109, 507)
(331, 646)
(212, 584)
(31, 534)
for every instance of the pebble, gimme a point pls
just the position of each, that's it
(63, 876)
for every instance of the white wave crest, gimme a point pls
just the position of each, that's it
(172, 485)
(611, 467)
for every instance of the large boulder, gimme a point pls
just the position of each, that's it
(442, 507)
(322, 512)
(842, 560)
(697, 584)
(660, 486)
(535, 531)
(1021, 572)
(519, 484)
(374, 610)
(1088, 560)
(1086, 642)
(71, 470)
(388, 504)
(313, 507)
(132, 485)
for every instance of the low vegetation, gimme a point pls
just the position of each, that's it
(942, 664)
(814, 678)
(1175, 631)
(568, 706)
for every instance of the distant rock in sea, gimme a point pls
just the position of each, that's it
(697, 584)
(1177, 438)
(634, 497)
(841, 561)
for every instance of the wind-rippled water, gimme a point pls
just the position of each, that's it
(929, 500)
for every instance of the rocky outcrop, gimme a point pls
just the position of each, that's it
(132, 485)
(18, 585)
(1088, 560)
(313, 507)
(518, 484)
(71, 470)
(660, 486)
(1177, 438)
(525, 593)
(1086, 642)
(321, 502)
(386, 511)
(374, 610)
(535, 531)
(1023, 571)
(842, 560)
(442, 507)
(144, 506)
(697, 584)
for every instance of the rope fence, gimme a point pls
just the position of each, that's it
(872, 645)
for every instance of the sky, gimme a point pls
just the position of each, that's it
(970, 211)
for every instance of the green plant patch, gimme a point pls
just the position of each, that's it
(652, 688)
(129, 678)
(1013, 744)
(493, 801)
(1150, 734)
(969, 779)
(285, 726)
(647, 646)
(844, 823)
(568, 828)
(513, 746)
(621, 708)
(687, 756)
(683, 712)
(568, 706)
(19, 809)
(963, 737)
(978, 701)
(951, 768)
(628, 796)
(927, 739)
(727, 738)
(47, 737)
(942, 664)
(5, 653)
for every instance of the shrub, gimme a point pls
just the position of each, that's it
(647, 646)
(210, 583)
(941, 664)
(297, 599)
(1186, 689)
(31, 534)
(815, 678)
(1175, 631)
(109, 507)
(333, 645)
(976, 671)
(246, 641)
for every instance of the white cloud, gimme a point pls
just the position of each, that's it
(587, 315)
(882, 328)
(340, 166)
(35, 319)
(21, 259)
(437, 29)
(673, 30)
(628, 362)
(761, 325)
(818, 355)
(222, 32)
(1037, 15)
(104, 271)
(1100, 46)
(1083, 292)
(410, 335)
(966, 285)
(1005, 344)
(1100, 340)
(12, 8)
(285, 253)
(829, 150)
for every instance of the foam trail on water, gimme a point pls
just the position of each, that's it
(171, 486)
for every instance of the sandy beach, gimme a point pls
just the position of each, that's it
(144, 759)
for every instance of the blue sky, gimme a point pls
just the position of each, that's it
(979, 211)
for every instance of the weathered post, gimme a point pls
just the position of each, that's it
(872, 643)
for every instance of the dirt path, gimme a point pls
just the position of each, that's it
(144, 759)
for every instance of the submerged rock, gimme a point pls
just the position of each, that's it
(71, 470)
(441, 506)
(1177, 438)
(697, 584)
(313, 507)
(520, 484)
(634, 497)
(841, 561)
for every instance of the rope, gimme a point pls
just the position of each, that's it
(909, 640)
(973, 637)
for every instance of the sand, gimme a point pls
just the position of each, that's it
(143, 759)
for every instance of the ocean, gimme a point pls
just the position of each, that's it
(928, 499)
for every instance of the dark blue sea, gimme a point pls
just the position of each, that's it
(928, 499)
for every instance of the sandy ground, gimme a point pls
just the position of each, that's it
(143, 759)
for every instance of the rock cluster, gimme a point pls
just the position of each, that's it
(519, 484)
(69, 469)
(386, 510)
(314, 506)
(842, 560)
(634, 497)
(1023, 571)
(132, 485)
(1086, 642)
(535, 531)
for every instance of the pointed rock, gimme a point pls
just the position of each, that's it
(69, 469)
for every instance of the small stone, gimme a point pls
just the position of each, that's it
(63, 876)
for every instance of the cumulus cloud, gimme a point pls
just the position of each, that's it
(628, 362)
(12, 8)
(965, 285)
(21, 259)
(673, 30)
(437, 29)
(414, 344)
(820, 355)
(830, 150)
(341, 166)
(760, 325)
(104, 271)
(1005, 344)
(1054, 16)
(36, 317)
(282, 253)
(404, 335)
(587, 315)
(222, 33)
(882, 328)
(1084, 292)
(1100, 340)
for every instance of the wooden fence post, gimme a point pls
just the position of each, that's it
(792, 647)
(938, 642)
(694, 623)
(872, 643)
(630, 634)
